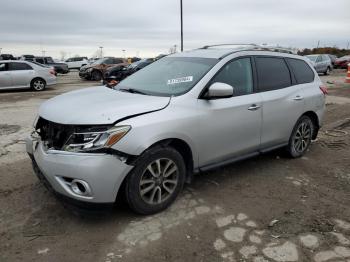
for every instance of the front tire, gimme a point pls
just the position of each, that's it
(96, 75)
(38, 84)
(301, 137)
(156, 180)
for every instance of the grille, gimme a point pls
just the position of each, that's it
(55, 135)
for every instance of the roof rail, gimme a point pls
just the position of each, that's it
(235, 44)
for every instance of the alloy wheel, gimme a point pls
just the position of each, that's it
(302, 137)
(158, 181)
(38, 85)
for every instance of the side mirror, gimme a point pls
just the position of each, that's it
(218, 90)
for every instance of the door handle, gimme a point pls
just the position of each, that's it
(253, 107)
(298, 98)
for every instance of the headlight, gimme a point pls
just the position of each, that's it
(91, 141)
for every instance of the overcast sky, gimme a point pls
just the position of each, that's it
(150, 27)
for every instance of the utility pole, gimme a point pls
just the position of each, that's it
(101, 52)
(347, 47)
(124, 53)
(182, 35)
(318, 43)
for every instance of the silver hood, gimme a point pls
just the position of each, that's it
(98, 105)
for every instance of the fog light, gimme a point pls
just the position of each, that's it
(80, 187)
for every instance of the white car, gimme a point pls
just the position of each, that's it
(25, 74)
(76, 62)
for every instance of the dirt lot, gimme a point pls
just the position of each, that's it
(268, 208)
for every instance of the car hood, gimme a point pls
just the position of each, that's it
(98, 106)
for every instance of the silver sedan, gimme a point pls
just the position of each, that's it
(24, 74)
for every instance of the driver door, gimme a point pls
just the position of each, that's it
(230, 127)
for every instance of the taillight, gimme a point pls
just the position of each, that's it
(324, 90)
(52, 72)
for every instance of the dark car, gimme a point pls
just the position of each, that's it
(120, 72)
(97, 69)
(342, 62)
(60, 68)
(7, 57)
(29, 58)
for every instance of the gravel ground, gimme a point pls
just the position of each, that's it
(269, 208)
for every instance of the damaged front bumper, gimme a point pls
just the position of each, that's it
(86, 177)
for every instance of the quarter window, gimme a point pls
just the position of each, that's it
(273, 73)
(19, 66)
(302, 71)
(238, 74)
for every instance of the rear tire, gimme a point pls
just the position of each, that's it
(327, 71)
(301, 137)
(96, 75)
(38, 84)
(156, 180)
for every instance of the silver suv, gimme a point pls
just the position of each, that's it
(185, 113)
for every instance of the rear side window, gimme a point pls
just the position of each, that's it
(19, 66)
(302, 71)
(273, 73)
(238, 74)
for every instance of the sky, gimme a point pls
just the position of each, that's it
(147, 28)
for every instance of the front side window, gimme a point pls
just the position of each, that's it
(238, 74)
(3, 67)
(273, 73)
(169, 76)
(302, 71)
(19, 66)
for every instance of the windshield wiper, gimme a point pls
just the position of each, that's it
(132, 90)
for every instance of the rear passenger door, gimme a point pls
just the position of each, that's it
(21, 74)
(282, 100)
(5, 77)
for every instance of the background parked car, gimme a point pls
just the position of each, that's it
(27, 57)
(7, 57)
(24, 74)
(60, 68)
(321, 63)
(342, 62)
(333, 58)
(121, 71)
(76, 62)
(96, 70)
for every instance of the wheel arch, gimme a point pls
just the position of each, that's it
(314, 118)
(37, 78)
(178, 144)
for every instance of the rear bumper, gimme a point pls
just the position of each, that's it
(103, 173)
(51, 81)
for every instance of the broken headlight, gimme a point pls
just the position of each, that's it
(95, 140)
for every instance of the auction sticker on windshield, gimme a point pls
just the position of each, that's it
(180, 80)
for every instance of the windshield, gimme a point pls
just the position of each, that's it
(345, 57)
(169, 76)
(312, 57)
